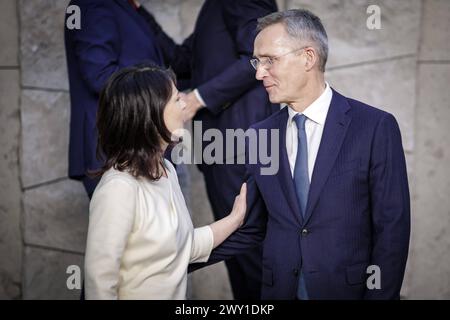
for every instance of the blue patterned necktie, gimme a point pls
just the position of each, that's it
(301, 181)
(301, 177)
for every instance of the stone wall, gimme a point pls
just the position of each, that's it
(10, 189)
(429, 267)
(55, 209)
(402, 68)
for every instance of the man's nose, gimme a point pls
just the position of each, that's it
(261, 72)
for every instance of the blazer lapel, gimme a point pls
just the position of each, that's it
(336, 126)
(284, 175)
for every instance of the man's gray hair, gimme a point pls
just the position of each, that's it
(301, 25)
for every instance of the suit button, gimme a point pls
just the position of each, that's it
(305, 232)
(295, 272)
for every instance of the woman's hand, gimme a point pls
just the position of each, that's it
(224, 227)
(240, 205)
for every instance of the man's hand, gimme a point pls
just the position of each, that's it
(192, 105)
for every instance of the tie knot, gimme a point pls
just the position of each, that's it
(300, 121)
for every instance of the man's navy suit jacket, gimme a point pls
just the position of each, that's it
(112, 36)
(358, 210)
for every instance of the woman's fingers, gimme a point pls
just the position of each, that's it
(243, 190)
(241, 199)
(243, 195)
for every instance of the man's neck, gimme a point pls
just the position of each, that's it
(309, 94)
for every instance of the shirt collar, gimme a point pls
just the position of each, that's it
(316, 111)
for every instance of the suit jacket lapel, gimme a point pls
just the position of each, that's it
(284, 175)
(333, 136)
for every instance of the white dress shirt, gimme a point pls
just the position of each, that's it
(316, 114)
(199, 98)
(141, 239)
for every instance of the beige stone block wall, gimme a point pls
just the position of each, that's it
(42, 44)
(435, 37)
(9, 34)
(351, 42)
(10, 195)
(56, 216)
(45, 136)
(428, 274)
(44, 275)
(372, 83)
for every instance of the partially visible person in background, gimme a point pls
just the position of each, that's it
(225, 95)
(113, 35)
(141, 238)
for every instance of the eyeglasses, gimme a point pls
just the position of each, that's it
(267, 62)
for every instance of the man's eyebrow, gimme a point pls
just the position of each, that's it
(262, 55)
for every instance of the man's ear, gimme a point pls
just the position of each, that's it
(311, 58)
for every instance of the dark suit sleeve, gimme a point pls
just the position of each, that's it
(241, 20)
(390, 206)
(97, 44)
(246, 237)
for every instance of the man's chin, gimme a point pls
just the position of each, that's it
(274, 99)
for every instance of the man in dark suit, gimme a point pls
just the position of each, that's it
(113, 35)
(340, 200)
(226, 95)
